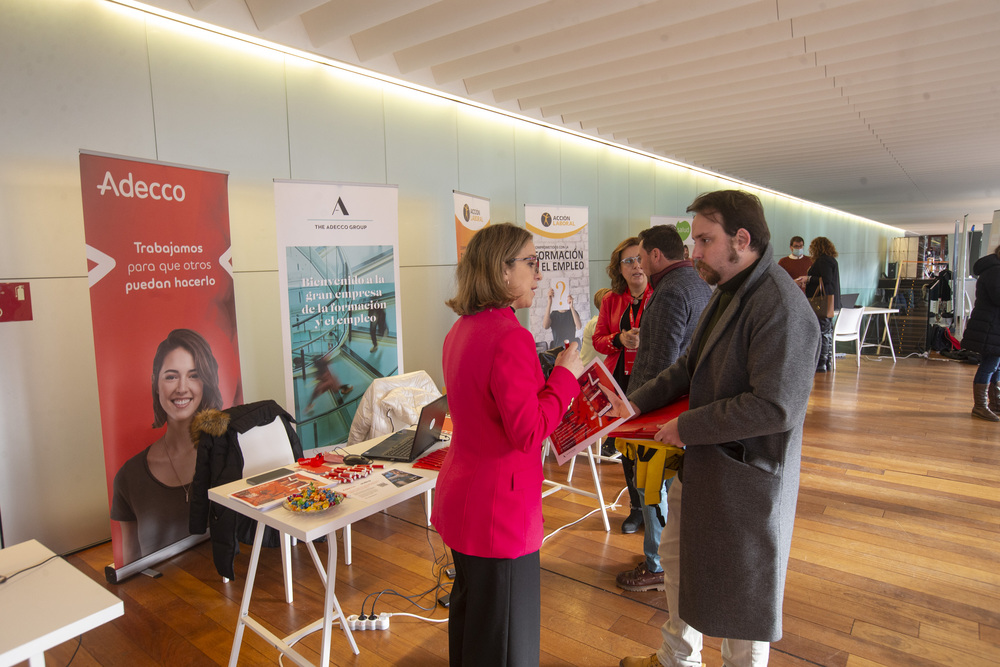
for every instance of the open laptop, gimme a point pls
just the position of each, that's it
(407, 446)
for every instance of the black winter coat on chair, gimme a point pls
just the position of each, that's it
(220, 461)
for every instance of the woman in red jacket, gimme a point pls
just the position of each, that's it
(617, 336)
(488, 500)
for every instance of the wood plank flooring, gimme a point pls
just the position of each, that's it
(895, 557)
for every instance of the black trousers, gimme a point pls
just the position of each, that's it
(495, 615)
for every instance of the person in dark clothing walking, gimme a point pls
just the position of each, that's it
(982, 335)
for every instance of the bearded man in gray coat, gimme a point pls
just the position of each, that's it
(726, 558)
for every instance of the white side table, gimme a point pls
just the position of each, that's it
(47, 605)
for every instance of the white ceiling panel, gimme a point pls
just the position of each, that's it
(886, 108)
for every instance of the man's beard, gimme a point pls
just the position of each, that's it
(710, 275)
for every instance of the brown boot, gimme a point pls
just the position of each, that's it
(981, 409)
(993, 391)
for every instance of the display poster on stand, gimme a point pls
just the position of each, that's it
(338, 266)
(683, 226)
(562, 303)
(589, 416)
(164, 319)
(472, 213)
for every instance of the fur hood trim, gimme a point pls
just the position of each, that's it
(211, 421)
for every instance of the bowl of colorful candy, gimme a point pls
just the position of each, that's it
(312, 500)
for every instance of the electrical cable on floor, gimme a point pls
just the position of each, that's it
(612, 506)
(79, 642)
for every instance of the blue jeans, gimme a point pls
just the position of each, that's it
(652, 528)
(987, 371)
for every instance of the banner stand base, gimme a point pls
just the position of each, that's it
(117, 575)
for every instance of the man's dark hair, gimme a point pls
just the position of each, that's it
(665, 239)
(735, 209)
(796, 239)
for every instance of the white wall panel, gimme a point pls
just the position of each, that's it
(52, 482)
(422, 159)
(486, 161)
(222, 106)
(64, 90)
(610, 221)
(335, 125)
(259, 327)
(426, 317)
(536, 159)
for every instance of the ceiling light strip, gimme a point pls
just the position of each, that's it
(360, 71)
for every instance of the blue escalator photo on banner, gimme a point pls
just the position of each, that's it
(342, 320)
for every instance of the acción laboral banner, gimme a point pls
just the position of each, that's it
(562, 303)
(472, 213)
(338, 266)
(164, 319)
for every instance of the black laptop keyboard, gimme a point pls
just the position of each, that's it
(401, 448)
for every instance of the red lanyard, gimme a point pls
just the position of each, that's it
(633, 316)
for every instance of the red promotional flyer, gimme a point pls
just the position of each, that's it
(164, 319)
(588, 417)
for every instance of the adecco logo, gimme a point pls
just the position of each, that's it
(128, 188)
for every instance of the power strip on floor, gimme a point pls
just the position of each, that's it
(380, 623)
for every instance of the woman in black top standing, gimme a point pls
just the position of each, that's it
(824, 267)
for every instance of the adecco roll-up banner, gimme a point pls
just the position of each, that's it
(683, 226)
(164, 318)
(472, 213)
(562, 303)
(338, 266)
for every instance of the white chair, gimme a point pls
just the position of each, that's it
(265, 448)
(847, 327)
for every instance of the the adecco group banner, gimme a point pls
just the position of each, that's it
(338, 265)
(164, 318)
(562, 305)
(472, 213)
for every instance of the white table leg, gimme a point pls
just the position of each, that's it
(428, 505)
(258, 539)
(37, 660)
(347, 544)
(597, 487)
(888, 336)
(331, 604)
(286, 565)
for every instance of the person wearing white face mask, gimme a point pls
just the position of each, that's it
(797, 262)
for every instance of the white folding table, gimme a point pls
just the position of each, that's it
(308, 528)
(47, 605)
(886, 336)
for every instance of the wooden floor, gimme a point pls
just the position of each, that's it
(895, 558)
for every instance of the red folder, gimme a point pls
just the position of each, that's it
(645, 426)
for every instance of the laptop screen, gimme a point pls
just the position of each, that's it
(429, 427)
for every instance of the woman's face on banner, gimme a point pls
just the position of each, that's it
(179, 385)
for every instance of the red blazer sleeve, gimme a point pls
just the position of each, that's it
(525, 420)
(608, 326)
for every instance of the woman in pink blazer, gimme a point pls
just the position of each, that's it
(488, 501)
